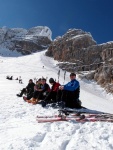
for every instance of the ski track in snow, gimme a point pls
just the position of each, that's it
(19, 129)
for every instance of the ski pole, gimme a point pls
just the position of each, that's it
(64, 76)
(58, 75)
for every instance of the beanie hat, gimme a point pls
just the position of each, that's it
(51, 80)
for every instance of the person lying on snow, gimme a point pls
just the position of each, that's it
(51, 97)
(40, 94)
(28, 89)
(69, 93)
(9, 77)
(37, 86)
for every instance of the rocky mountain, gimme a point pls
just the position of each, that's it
(77, 51)
(25, 41)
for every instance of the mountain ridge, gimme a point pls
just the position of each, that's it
(25, 41)
(77, 51)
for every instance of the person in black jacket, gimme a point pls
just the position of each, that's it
(37, 86)
(41, 93)
(28, 89)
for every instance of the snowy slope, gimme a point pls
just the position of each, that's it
(18, 127)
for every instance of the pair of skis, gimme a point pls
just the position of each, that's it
(77, 116)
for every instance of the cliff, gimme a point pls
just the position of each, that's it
(25, 41)
(77, 51)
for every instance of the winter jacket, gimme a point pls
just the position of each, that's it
(55, 87)
(72, 85)
(37, 86)
(45, 88)
(30, 86)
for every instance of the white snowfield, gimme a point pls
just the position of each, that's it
(19, 129)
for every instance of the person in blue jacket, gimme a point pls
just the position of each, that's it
(69, 93)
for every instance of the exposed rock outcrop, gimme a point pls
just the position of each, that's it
(25, 41)
(69, 47)
(77, 51)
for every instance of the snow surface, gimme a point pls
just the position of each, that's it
(19, 129)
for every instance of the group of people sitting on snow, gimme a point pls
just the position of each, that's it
(41, 93)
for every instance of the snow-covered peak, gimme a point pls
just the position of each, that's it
(7, 34)
(40, 31)
(23, 40)
(20, 33)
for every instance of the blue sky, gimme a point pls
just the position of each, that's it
(95, 16)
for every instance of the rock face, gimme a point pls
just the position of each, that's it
(77, 51)
(25, 41)
(69, 46)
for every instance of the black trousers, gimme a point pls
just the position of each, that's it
(29, 96)
(69, 97)
(34, 94)
(51, 97)
(39, 94)
(28, 92)
(23, 91)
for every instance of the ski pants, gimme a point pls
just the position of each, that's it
(69, 97)
(26, 91)
(39, 95)
(51, 97)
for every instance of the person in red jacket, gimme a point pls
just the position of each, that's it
(51, 97)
